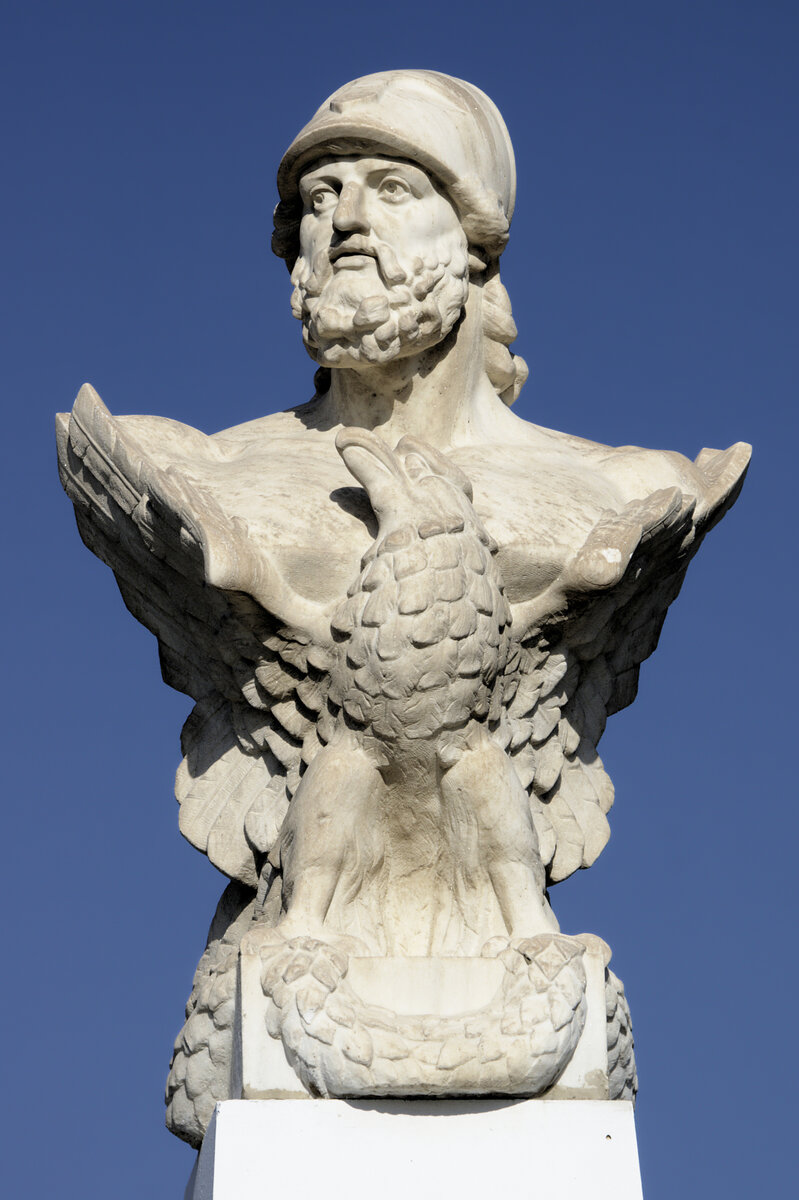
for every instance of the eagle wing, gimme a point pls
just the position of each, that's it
(231, 634)
(578, 650)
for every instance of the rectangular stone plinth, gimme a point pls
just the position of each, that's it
(425, 1149)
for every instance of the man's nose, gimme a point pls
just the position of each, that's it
(349, 213)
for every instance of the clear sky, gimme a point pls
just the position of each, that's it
(652, 268)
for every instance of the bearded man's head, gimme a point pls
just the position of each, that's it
(361, 297)
(373, 289)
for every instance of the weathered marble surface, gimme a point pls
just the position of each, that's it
(387, 1026)
(404, 615)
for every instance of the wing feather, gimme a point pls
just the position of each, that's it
(217, 786)
(570, 675)
(187, 572)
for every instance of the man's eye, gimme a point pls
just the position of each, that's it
(321, 197)
(393, 190)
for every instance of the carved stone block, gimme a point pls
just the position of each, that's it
(421, 1026)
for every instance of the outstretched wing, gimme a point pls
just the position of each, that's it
(230, 634)
(570, 671)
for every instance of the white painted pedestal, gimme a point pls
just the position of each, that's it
(422, 1149)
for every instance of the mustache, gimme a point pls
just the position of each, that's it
(388, 264)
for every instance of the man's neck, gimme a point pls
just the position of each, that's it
(441, 395)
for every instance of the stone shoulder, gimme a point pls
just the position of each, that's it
(638, 472)
(633, 472)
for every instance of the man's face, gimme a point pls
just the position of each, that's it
(383, 264)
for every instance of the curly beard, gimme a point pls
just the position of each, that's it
(351, 317)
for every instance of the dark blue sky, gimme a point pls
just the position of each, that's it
(652, 267)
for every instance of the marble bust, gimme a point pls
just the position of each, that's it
(404, 615)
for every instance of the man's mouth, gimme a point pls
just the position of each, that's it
(355, 252)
